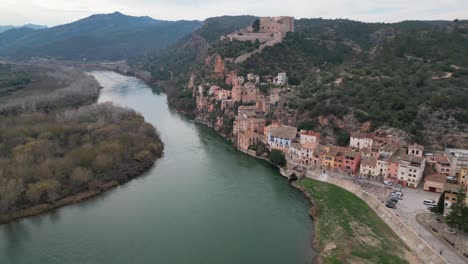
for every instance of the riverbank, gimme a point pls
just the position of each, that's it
(136, 171)
(343, 219)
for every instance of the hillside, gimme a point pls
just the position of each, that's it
(348, 76)
(98, 37)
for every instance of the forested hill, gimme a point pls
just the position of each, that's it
(411, 75)
(99, 37)
(179, 58)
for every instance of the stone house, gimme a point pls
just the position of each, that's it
(263, 103)
(248, 111)
(281, 79)
(416, 150)
(257, 125)
(442, 165)
(435, 183)
(368, 167)
(247, 139)
(361, 140)
(241, 124)
(458, 160)
(308, 136)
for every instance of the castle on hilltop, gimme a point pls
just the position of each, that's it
(270, 28)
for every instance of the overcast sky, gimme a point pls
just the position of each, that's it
(55, 12)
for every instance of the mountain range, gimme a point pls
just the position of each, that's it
(32, 26)
(99, 37)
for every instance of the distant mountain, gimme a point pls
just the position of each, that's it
(104, 36)
(32, 26)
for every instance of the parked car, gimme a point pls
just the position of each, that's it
(387, 183)
(390, 205)
(429, 202)
(398, 186)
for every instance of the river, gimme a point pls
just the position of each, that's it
(203, 202)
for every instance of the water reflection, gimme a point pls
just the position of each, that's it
(16, 235)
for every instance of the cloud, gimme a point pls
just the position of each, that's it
(54, 12)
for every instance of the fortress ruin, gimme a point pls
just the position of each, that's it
(270, 28)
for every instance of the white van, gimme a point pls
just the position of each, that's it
(429, 202)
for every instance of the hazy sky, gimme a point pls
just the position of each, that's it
(55, 12)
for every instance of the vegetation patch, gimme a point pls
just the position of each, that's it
(352, 226)
(47, 157)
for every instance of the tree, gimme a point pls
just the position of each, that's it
(277, 157)
(256, 25)
(458, 215)
(81, 175)
(261, 148)
(439, 209)
(343, 138)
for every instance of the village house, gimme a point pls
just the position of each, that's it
(241, 124)
(435, 183)
(281, 137)
(247, 139)
(366, 153)
(263, 103)
(303, 154)
(329, 158)
(253, 78)
(442, 165)
(458, 160)
(361, 140)
(351, 161)
(257, 125)
(294, 154)
(281, 79)
(369, 168)
(306, 136)
(410, 170)
(246, 93)
(248, 111)
(452, 189)
(416, 150)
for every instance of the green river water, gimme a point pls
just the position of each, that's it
(203, 202)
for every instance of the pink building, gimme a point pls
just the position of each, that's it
(351, 161)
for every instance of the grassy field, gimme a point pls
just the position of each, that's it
(347, 222)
